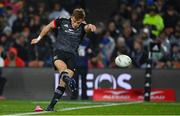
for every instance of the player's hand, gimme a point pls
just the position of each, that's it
(34, 41)
(92, 27)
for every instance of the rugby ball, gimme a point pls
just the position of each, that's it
(123, 61)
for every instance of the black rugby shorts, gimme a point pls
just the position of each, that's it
(66, 57)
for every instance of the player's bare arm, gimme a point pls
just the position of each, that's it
(90, 28)
(44, 31)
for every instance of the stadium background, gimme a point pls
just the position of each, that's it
(121, 28)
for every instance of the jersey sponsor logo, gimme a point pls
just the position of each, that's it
(70, 31)
(66, 25)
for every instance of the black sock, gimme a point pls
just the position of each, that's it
(57, 95)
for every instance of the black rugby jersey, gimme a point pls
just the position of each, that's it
(68, 38)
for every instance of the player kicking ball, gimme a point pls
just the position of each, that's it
(70, 34)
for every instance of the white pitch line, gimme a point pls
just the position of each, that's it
(72, 102)
(76, 108)
(98, 106)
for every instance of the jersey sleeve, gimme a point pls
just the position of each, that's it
(57, 22)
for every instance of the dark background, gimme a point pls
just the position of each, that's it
(38, 84)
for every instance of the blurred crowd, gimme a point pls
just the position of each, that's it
(129, 30)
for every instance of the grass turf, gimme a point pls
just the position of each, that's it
(84, 108)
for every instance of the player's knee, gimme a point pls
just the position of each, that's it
(60, 65)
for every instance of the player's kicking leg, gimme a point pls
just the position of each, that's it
(65, 80)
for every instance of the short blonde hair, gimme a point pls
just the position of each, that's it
(79, 13)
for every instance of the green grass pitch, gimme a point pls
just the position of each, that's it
(19, 107)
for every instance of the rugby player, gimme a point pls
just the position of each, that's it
(69, 35)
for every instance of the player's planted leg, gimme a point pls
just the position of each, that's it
(57, 95)
(70, 82)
